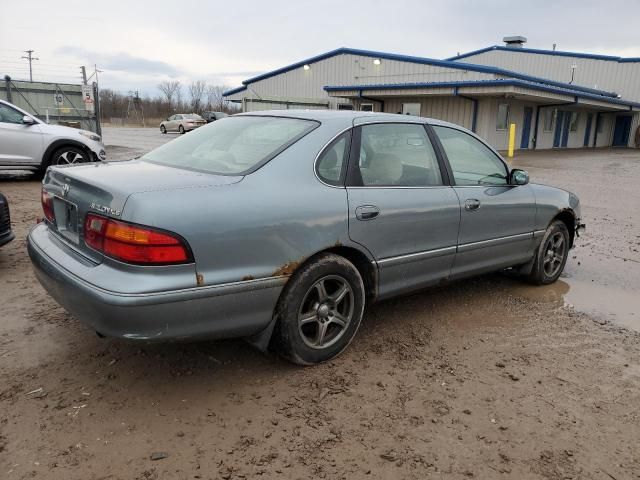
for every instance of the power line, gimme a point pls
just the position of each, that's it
(30, 59)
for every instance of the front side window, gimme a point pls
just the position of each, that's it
(10, 115)
(573, 124)
(395, 154)
(472, 162)
(331, 163)
(503, 116)
(233, 145)
(549, 117)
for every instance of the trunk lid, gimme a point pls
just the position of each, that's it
(104, 188)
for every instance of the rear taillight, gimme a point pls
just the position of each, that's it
(134, 244)
(47, 205)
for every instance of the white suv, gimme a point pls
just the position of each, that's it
(27, 143)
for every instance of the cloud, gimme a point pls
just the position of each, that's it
(123, 62)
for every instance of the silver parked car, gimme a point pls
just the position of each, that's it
(281, 227)
(27, 143)
(182, 122)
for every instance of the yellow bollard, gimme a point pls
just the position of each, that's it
(512, 139)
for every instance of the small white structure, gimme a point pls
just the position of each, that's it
(556, 99)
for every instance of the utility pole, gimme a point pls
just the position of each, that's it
(84, 75)
(31, 59)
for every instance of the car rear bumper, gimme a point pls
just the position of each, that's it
(6, 237)
(222, 311)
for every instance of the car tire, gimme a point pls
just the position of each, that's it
(319, 311)
(69, 155)
(181, 129)
(163, 130)
(551, 256)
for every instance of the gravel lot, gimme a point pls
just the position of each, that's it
(486, 378)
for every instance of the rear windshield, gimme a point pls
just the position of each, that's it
(192, 116)
(232, 145)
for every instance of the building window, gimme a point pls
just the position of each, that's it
(366, 107)
(503, 117)
(345, 106)
(411, 109)
(573, 123)
(549, 118)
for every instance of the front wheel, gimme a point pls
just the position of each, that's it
(552, 255)
(163, 130)
(320, 310)
(69, 156)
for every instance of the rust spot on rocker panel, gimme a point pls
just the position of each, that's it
(199, 279)
(286, 269)
(248, 277)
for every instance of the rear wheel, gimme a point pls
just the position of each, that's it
(552, 255)
(320, 310)
(181, 129)
(163, 130)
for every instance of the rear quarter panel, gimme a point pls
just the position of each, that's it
(264, 226)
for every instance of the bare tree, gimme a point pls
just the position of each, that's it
(169, 90)
(215, 100)
(196, 92)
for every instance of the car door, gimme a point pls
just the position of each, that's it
(175, 122)
(497, 219)
(20, 144)
(401, 207)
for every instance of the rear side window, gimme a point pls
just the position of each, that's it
(472, 162)
(332, 161)
(396, 154)
(233, 145)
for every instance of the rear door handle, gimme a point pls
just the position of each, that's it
(472, 204)
(367, 212)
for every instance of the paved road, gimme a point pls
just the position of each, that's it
(123, 143)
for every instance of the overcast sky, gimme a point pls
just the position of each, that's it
(226, 42)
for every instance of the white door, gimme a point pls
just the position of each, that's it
(411, 109)
(20, 144)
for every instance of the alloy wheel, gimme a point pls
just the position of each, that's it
(555, 249)
(69, 157)
(326, 312)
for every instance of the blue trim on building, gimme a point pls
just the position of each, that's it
(234, 90)
(420, 60)
(484, 83)
(592, 56)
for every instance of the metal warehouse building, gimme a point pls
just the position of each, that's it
(556, 99)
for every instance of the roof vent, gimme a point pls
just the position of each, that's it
(515, 41)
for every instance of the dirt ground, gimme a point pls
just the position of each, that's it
(485, 379)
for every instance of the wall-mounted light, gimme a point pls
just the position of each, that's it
(377, 61)
(307, 67)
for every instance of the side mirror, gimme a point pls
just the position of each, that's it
(27, 120)
(519, 177)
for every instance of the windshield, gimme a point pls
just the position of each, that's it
(233, 145)
(192, 116)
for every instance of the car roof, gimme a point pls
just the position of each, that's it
(349, 116)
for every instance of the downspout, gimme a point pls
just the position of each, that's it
(7, 83)
(537, 122)
(474, 114)
(381, 102)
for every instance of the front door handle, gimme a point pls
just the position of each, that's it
(367, 212)
(472, 204)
